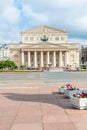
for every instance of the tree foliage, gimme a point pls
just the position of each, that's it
(7, 64)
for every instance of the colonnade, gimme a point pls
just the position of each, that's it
(48, 58)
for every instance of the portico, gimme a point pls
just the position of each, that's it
(43, 58)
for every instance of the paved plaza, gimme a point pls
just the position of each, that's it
(28, 101)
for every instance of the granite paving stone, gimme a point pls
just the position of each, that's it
(38, 106)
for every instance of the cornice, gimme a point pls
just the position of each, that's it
(43, 29)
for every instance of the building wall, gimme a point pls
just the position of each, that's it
(35, 35)
(47, 40)
(15, 56)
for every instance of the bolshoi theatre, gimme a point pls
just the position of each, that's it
(44, 46)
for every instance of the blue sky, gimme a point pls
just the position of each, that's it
(18, 15)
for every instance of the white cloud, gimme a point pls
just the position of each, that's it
(21, 14)
(27, 10)
(9, 19)
(82, 22)
(36, 16)
(11, 14)
(10, 36)
(6, 2)
(57, 3)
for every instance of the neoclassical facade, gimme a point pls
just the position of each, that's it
(42, 46)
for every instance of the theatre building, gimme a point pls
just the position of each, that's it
(44, 46)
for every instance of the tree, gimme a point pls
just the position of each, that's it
(7, 64)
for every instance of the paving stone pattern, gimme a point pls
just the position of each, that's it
(37, 106)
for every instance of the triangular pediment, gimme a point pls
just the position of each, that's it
(44, 29)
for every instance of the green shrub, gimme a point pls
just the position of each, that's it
(83, 66)
(7, 64)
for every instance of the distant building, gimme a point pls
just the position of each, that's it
(42, 46)
(4, 52)
(84, 54)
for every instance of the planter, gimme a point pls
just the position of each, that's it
(85, 90)
(62, 90)
(80, 103)
(69, 93)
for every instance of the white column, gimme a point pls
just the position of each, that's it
(60, 59)
(35, 59)
(22, 57)
(48, 58)
(41, 58)
(54, 59)
(66, 58)
(29, 59)
(77, 60)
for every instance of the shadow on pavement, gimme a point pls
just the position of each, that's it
(54, 98)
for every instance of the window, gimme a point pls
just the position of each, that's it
(32, 59)
(37, 38)
(15, 55)
(38, 59)
(56, 38)
(44, 59)
(26, 38)
(62, 38)
(50, 59)
(56, 58)
(50, 38)
(31, 38)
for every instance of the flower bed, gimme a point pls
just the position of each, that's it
(70, 90)
(79, 100)
(69, 93)
(62, 89)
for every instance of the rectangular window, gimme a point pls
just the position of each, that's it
(37, 38)
(26, 38)
(31, 38)
(32, 59)
(56, 38)
(50, 59)
(38, 59)
(62, 38)
(15, 55)
(50, 38)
